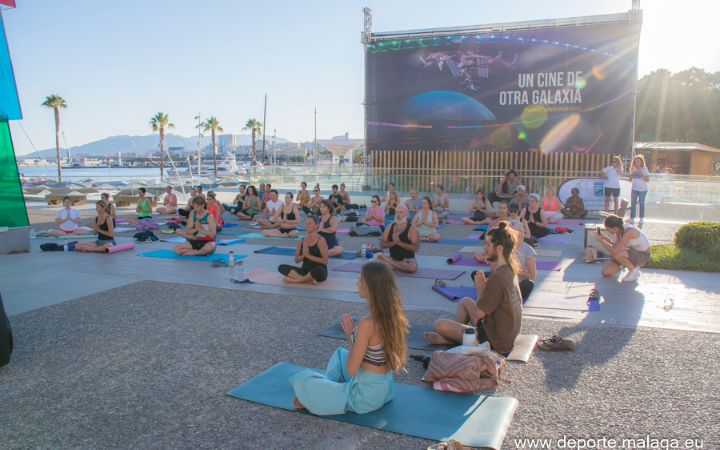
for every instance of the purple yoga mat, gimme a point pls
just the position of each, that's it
(569, 222)
(432, 274)
(455, 293)
(552, 240)
(474, 236)
(342, 230)
(454, 222)
(458, 259)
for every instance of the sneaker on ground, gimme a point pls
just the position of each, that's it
(632, 275)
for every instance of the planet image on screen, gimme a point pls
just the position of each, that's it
(445, 106)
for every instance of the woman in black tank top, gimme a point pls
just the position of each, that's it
(536, 221)
(403, 240)
(312, 251)
(104, 228)
(288, 215)
(328, 229)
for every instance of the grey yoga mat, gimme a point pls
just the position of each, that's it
(474, 420)
(432, 274)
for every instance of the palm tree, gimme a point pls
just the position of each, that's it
(158, 123)
(255, 127)
(214, 125)
(56, 102)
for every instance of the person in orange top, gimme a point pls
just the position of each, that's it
(216, 209)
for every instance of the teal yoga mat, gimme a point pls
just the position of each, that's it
(169, 254)
(180, 240)
(475, 420)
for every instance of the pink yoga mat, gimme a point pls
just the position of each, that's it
(342, 230)
(121, 220)
(120, 248)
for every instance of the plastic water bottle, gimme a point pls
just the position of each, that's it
(368, 251)
(363, 249)
(33, 233)
(231, 258)
(469, 336)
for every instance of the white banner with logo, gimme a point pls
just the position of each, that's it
(592, 191)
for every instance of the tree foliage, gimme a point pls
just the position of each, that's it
(680, 107)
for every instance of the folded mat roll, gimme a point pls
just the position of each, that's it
(474, 420)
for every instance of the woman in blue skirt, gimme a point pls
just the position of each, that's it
(361, 379)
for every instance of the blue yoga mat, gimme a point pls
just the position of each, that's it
(481, 228)
(232, 231)
(290, 251)
(169, 254)
(230, 241)
(475, 420)
(455, 293)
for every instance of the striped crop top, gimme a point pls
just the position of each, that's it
(374, 354)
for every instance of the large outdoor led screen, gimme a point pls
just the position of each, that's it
(548, 89)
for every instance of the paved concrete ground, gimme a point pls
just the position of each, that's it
(147, 366)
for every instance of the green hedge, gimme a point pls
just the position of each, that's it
(702, 237)
(669, 256)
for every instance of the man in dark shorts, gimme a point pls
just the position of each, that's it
(496, 315)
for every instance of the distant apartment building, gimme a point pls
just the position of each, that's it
(226, 142)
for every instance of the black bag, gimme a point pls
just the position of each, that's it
(478, 215)
(6, 338)
(52, 247)
(144, 236)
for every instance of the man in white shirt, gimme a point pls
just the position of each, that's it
(271, 206)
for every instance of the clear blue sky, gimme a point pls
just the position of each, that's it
(118, 62)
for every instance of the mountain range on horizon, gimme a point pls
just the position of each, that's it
(140, 145)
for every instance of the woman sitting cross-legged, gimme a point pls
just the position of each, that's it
(68, 221)
(375, 214)
(105, 229)
(480, 209)
(552, 205)
(312, 251)
(536, 220)
(251, 205)
(361, 380)
(328, 229)
(200, 231)
(285, 220)
(426, 221)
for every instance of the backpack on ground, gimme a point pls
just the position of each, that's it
(469, 370)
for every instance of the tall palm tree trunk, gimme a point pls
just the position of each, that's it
(254, 157)
(214, 152)
(57, 142)
(162, 153)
